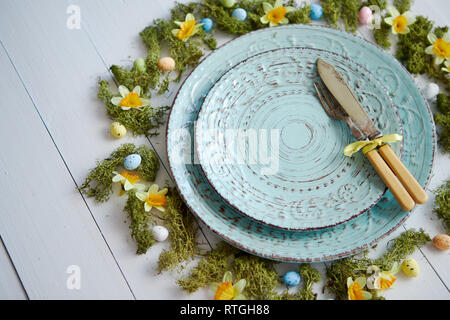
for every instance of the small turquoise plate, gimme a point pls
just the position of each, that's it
(269, 149)
(327, 244)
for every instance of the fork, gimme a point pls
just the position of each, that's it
(335, 111)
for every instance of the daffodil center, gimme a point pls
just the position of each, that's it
(355, 291)
(276, 15)
(442, 48)
(131, 100)
(225, 291)
(132, 178)
(400, 23)
(156, 200)
(186, 29)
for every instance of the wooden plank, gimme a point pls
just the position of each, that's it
(61, 77)
(10, 285)
(44, 224)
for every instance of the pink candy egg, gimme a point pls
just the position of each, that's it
(365, 15)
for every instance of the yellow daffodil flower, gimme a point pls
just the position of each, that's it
(128, 180)
(129, 100)
(153, 198)
(275, 14)
(440, 48)
(188, 27)
(355, 289)
(399, 22)
(381, 280)
(226, 290)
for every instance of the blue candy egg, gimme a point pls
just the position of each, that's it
(291, 278)
(316, 11)
(207, 24)
(132, 161)
(239, 14)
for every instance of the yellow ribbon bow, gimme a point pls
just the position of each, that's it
(369, 145)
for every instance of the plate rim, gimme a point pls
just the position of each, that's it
(309, 228)
(324, 258)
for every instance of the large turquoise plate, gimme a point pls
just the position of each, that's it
(297, 246)
(269, 149)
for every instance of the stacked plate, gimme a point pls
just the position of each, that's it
(257, 159)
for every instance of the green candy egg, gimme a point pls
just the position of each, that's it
(118, 130)
(228, 3)
(410, 267)
(139, 65)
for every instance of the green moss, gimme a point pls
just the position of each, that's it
(411, 46)
(332, 11)
(402, 5)
(210, 269)
(300, 15)
(442, 204)
(223, 19)
(381, 35)
(139, 223)
(399, 249)
(309, 276)
(98, 183)
(150, 38)
(182, 237)
(411, 50)
(350, 14)
(141, 121)
(442, 119)
(260, 274)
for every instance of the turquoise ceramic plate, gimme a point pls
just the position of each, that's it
(297, 246)
(269, 149)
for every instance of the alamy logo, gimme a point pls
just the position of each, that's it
(74, 279)
(74, 20)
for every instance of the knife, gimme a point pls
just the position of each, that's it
(338, 87)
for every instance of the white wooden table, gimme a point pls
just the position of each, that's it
(52, 129)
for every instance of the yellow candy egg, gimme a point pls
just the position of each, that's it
(442, 241)
(118, 130)
(410, 267)
(166, 63)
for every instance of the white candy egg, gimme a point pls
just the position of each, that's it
(160, 233)
(431, 90)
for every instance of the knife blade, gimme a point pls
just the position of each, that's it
(339, 88)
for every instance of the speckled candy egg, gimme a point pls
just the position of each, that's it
(442, 241)
(365, 15)
(118, 130)
(132, 161)
(139, 65)
(410, 267)
(291, 278)
(228, 3)
(166, 63)
(239, 14)
(316, 11)
(207, 24)
(431, 90)
(160, 233)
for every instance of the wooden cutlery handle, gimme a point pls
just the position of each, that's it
(406, 178)
(390, 180)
